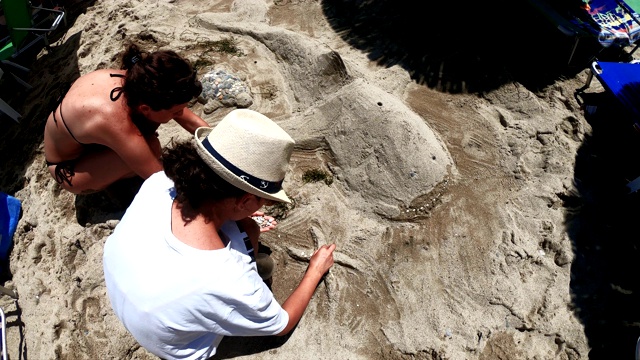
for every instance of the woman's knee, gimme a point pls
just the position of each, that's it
(70, 182)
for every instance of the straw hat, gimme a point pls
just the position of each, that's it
(248, 150)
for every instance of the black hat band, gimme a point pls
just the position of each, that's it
(269, 187)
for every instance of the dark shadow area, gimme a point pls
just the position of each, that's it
(108, 204)
(19, 142)
(235, 346)
(601, 222)
(465, 47)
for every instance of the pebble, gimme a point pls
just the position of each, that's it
(262, 221)
(226, 89)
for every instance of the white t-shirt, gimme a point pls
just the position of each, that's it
(178, 301)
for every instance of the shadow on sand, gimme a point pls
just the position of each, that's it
(602, 224)
(473, 46)
(232, 347)
(19, 143)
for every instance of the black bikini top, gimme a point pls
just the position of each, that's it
(116, 91)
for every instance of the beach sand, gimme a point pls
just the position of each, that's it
(478, 212)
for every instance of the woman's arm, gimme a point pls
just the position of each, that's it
(141, 154)
(190, 121)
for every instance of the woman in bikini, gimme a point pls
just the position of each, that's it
(104, 128)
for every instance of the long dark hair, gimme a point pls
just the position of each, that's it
(159, 79)
(195, 182)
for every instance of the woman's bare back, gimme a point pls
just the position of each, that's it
(84, 109)
(92, 113)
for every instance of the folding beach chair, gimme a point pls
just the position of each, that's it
(612, 23)
(27, 25)
(9, 111)
(3, 322)
(24, 26)
(620, 79)
(7, 68)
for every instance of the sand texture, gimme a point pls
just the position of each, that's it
(478, 214)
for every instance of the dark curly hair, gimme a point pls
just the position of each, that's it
(195, 182)
(159, 79)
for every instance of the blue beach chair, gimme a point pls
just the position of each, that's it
(622, 80)
(10, 208)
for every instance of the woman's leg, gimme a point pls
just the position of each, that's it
(94, 171)
(99, 168)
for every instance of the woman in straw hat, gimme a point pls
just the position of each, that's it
(104, 128)
(180, 267)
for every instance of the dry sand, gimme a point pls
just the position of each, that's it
(477, 213)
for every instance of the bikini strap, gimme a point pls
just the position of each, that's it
(59, 99)
(59, 106)
(64, 123)
(64, 171)
(116, 91)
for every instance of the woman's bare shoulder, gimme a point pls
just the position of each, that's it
(102, 72)
(89, 104)
(92, 91)
(99, 78)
